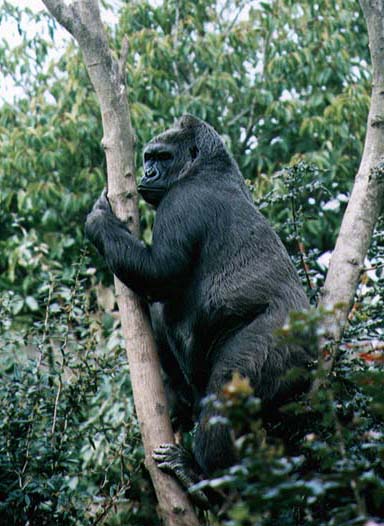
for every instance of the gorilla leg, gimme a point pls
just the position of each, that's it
(213, 450)
(250, 355)
(253, 353)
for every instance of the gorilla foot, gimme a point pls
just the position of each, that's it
(178, 461)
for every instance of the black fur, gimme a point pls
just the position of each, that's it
(217, 276)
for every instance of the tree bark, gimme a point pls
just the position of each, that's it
(82, 20)
(365, 203)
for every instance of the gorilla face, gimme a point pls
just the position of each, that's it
(159, 160)
(168, 157)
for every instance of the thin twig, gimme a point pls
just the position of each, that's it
(108, 505)
(40, 348)
(374, 267)
(300, 244)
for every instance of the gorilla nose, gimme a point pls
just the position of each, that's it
(150, 172)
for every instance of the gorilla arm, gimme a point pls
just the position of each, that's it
(154, 272)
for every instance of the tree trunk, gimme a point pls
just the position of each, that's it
(82, 20)
(366, 199)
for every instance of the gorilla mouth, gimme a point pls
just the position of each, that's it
(151, 195)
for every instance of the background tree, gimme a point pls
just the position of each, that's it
(366, 200)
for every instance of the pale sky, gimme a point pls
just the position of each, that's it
(9, 32)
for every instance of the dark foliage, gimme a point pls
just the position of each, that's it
(69, 442)
(329, 474)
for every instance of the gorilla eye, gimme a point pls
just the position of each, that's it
(164, 156)
(158, 155)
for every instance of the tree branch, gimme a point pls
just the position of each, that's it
(366, 199)
(64, 14)
(82, 20)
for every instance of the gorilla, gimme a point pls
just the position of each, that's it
(218, 281)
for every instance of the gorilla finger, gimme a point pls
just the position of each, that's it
(159, 457)
(166, 446)
(166, 466)
(163, 455)
(166, 449)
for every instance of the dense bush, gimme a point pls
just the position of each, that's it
(69, 441)
(321, 462)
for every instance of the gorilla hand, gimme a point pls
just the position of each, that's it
(102, 203)
(97, 219)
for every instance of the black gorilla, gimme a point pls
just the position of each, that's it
(217, 277)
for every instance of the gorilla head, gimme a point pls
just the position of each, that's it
(168, 157)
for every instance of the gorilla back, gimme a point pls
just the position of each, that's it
(219, 282)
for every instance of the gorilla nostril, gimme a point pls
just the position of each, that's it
(150, 172)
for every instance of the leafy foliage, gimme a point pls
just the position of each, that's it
(320, 463)
(69, 441)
